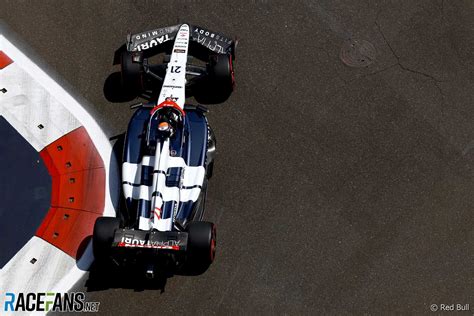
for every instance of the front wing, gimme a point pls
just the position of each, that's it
(213, 41)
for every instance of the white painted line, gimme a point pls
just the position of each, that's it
(32, 110)
(50, 267)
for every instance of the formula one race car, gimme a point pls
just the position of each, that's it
(169, 150)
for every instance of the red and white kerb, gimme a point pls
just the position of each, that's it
(77, 155)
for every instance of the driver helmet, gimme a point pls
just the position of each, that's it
(164, 126)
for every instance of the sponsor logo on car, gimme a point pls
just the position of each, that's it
(212, 35)
(152, 43)
(153, 33)
(141, 243)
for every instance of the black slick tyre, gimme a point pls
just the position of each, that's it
(201, 246)
(104, 229)
(131, 72)
(221, 71)
(220, 82)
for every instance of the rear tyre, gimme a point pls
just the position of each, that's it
(104, 230)
(201, 246)
(132, 71)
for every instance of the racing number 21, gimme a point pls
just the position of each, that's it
(175, 69)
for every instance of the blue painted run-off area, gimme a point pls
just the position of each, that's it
(25, 191)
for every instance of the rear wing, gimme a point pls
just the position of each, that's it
(213, 41)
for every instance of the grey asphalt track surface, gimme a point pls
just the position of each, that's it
(336, 188)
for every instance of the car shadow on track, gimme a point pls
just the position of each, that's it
(110, 276)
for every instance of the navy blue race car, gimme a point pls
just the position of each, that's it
(169, 150)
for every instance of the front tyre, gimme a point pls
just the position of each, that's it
(132, 71)
(221, 71)
(220, 82)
